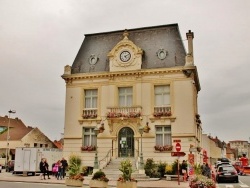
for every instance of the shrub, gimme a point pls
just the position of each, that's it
(75, 167)
(161, 168)
(169, 169)
(175, 167)
(126, 169)
(151, 169)
(100, 175)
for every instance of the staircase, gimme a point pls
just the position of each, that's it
(113, 173)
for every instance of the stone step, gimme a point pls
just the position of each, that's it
(113, 173)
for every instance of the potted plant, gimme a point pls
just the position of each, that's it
(99, 179)
(200, 181)
(101, 129)
(125, 180)
(199, 149)
(75, 177)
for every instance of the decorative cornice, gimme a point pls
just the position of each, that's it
(111, 75)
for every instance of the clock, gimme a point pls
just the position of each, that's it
(125, 56)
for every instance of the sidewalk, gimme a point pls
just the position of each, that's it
(6, 176)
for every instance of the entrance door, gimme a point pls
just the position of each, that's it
(126, 142)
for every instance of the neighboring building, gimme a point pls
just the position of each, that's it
(59, 143)
(231, 153)
(205, 154)
(20, 135)
(241, 147)
(217, 149)
(124, 80)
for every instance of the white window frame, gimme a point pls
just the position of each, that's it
(165, 135)
(93, 98)
(127, 96)
(92, 140)
(162, 93)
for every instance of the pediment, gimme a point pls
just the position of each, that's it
(125, 55)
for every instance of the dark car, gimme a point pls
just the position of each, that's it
(227, 173)
(10, 166)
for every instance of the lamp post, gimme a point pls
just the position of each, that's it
(8, 137)
(96, 165)
(141, 167)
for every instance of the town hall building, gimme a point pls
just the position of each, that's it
(133, 93)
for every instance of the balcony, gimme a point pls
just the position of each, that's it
(89, 113)
(124, 112)
(162, 111)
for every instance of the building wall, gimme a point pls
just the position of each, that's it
(182, 121)
(183, 82)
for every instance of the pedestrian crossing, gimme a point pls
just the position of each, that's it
(231, 186)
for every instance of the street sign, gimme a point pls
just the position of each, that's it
(178, 147)
(178, 154)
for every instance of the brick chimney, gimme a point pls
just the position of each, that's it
(190, 54)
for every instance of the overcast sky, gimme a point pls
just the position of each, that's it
(39, 37)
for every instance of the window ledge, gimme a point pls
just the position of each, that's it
(153, 119)
(97, 120)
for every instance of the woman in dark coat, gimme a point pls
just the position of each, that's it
(42, 167)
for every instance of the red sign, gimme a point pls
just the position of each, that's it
(178, 154)
(178, 146)
(191, 159)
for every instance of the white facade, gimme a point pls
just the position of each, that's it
(124, 99)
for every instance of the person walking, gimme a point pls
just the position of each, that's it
(183, 170)
(64, 167)
(42, 168)
(207, 171)
(47, 167)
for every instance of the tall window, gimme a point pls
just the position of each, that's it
(163, 135)
(125, 96)
(91, 98)
(89, 137)
(162, 95)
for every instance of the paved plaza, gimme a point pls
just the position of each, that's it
(6, 176)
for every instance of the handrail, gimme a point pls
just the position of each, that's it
(106, 159)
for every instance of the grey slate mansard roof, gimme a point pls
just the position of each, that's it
(149, 39)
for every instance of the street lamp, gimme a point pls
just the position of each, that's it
(8, 137)
(141, 167)
(96, 165)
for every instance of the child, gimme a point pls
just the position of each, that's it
(60, 170)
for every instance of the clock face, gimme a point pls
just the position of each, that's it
(125, 56)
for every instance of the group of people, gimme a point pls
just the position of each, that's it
(58, 169)
(205, 170)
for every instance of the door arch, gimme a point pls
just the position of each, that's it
(126, 142)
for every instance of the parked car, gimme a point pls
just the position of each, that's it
(222, 161)
(221, 164)
(10, 166)
(226, 173)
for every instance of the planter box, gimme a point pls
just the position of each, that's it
(126, 184)
(98, 184)
(73, 183)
